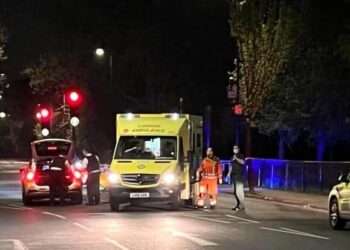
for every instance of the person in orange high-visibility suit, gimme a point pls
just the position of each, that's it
(210, 174)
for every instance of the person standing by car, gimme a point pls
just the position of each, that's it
(210, 174)
(57, 183)
(236, 174)
(92, 164)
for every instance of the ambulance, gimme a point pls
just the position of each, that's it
(155, 159)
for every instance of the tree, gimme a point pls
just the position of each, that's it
(50, 78)
(312, 94)
(265, 32)
(3, 40)
(53, 74)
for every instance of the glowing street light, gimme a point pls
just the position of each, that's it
(2, 115)
(100, 52)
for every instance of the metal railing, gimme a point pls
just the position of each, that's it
(299, 176)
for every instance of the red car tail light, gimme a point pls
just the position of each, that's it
(77, 175)
(30, 176)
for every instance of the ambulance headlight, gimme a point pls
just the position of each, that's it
(169, 179)
(113, 178)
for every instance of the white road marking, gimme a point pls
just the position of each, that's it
(83, 227)
(60, 243)
(304, 233)
(308, 208)
(17, 244)
(55, 215)
(7, 162)
(15, 208)
(208, 219)
(294, 232)
(194, 239)
(19, 206)
(9, 172)
(116, 244)
(242, 219)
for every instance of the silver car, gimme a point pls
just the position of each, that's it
(339, 202)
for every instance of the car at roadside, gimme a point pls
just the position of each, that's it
(339, 202)
(35, 176)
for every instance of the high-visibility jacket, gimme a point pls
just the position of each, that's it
(210, 168)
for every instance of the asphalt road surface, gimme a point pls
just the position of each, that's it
(262, 225)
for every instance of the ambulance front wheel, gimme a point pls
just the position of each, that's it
(176, 202)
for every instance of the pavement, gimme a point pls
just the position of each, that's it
(307, 200)
(264, 224)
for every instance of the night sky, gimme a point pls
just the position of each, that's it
(183, 48)
(162, 50)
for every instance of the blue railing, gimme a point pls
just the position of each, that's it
(300, 176)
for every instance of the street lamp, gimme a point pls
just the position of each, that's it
(100, 52)
(2, 115)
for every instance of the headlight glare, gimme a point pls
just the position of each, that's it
(113, 178)
(169, 179)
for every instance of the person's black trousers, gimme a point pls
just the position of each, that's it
(93, 188)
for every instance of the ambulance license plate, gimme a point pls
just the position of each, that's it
(139, 195)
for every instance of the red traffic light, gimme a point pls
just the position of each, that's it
(237, 109)
(73, 98)
(45, 113)
(38, 115)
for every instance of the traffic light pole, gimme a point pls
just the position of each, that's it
(74, 136)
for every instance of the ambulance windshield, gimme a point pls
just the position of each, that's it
(147, 147)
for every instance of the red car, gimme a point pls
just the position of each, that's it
(35, 176)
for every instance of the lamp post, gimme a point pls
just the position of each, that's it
(100, 52)
(2, 115)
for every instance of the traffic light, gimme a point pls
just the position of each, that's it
(74, 99)
(44, 116)
(237, 110)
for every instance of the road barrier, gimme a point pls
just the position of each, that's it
(299, 176)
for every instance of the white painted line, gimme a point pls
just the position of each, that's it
(194, 239)
(208, 219)
(83, 227)
(304, 233)
(242, 219)
(307, 208)
(6, 162)
(55, 215)
(294, 233)
(3, 183)
(59, 243)
(9, 171)
(116, 244)
(15, 208)
(17, 244)
(18, 206)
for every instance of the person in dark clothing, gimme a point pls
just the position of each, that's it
(92, 163)
(57, 184)
(236, 174)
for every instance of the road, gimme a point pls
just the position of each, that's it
(263, 225)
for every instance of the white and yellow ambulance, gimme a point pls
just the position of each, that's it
(155, 158)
